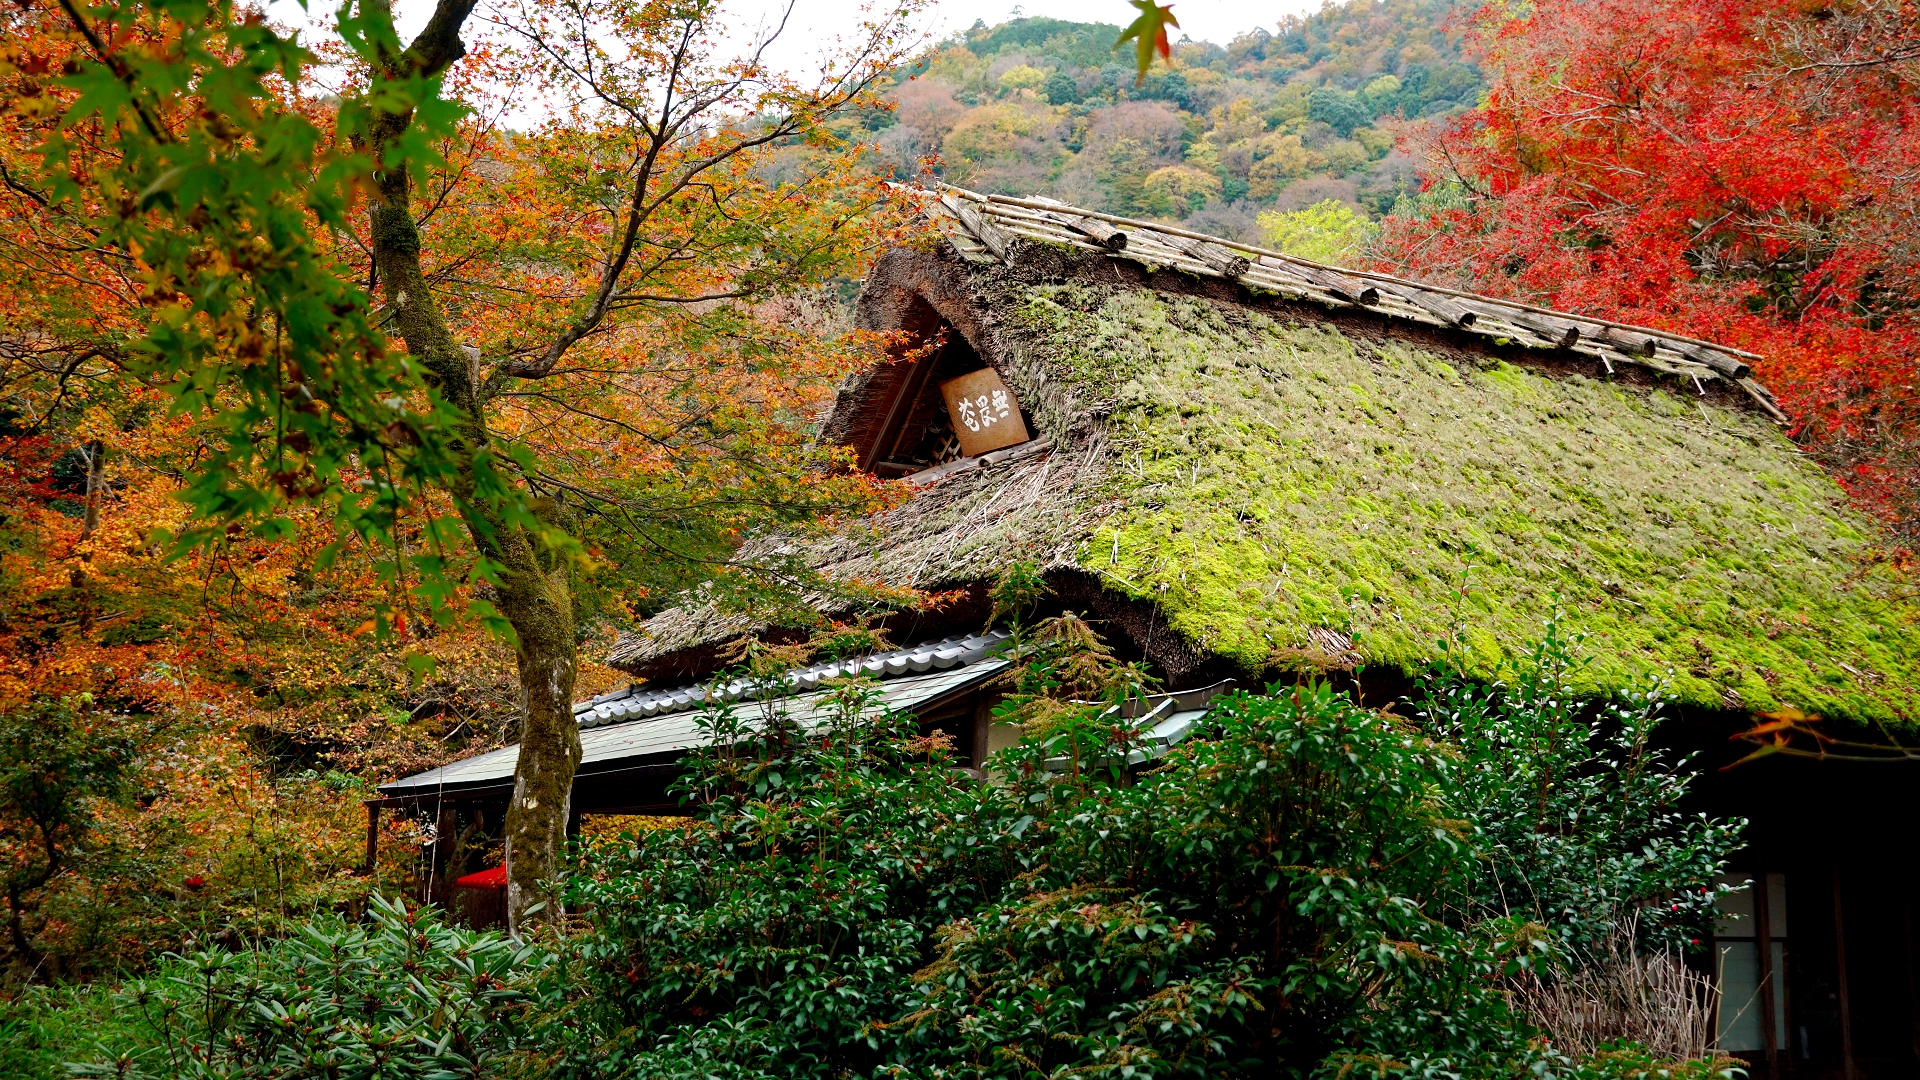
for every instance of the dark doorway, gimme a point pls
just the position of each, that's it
(1841, 838)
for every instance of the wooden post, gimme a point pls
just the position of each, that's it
(1840, 963)
(373, 837)
(982, 731)
(439, 882)
(1913, 992)
(1763, 937)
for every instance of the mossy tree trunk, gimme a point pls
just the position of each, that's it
(535, 591)
(647, 267)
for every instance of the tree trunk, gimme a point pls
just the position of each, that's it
(536, 826)
(78, 577)
(17, 930)
(535, 585)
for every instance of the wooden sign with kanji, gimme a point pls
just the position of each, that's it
(984, 412)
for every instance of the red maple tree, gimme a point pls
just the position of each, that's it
(1742, 170)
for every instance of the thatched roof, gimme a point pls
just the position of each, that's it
(1242, 456)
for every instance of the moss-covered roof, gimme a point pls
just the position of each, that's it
(1267, 475)
(1278, 477)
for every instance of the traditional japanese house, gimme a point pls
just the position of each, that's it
(1239, 461)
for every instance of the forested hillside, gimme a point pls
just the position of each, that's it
(1270, 121)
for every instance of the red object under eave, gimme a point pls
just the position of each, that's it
(495, 878)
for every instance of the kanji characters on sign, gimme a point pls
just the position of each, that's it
(985, 414)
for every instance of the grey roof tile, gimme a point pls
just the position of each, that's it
(637, 722)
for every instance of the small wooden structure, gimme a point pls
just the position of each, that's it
(632, 740)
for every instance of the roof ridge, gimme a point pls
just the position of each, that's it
(1038, 203)
(634, 701)
(979, 224)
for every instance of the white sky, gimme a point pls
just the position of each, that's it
(817, 23)
(1203, 20)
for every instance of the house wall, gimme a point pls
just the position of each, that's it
(1838, 838)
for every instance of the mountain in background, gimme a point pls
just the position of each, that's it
(1271, 122)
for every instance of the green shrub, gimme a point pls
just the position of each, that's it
(1578, 812)
(43, 1027)
(1629, 1062)
(1264, 902)
(401, 996)
(1300, 888)
(59, 759)
(784, 924)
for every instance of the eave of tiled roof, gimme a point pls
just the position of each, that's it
(639, 723)
(637, 701)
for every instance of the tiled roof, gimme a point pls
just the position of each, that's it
(637, 722)
(634, 702)
(982, 228)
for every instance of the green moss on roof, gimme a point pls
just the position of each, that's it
(1276, 478)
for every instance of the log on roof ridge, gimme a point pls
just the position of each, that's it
(1053, 206)
(986, 224)
(979, 239)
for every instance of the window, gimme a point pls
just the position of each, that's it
(1736, 949)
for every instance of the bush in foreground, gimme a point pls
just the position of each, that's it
(402, 995)
(1296, 889)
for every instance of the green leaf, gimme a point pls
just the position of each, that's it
(1149, 35)
(421, 665)
(165, 182)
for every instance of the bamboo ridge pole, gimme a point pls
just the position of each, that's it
(1371, 275)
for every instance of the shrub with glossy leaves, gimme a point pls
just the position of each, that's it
(1269, 897)
(1266, 900)
(401, 997)
(1298, 888)
(1577, 809)
(780, 927)
(1292, 890)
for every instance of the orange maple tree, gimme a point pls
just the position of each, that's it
(615, 352)
(335, 360)
(1734, 169)
(232, 676)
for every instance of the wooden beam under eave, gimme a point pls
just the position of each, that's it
(902, 407)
